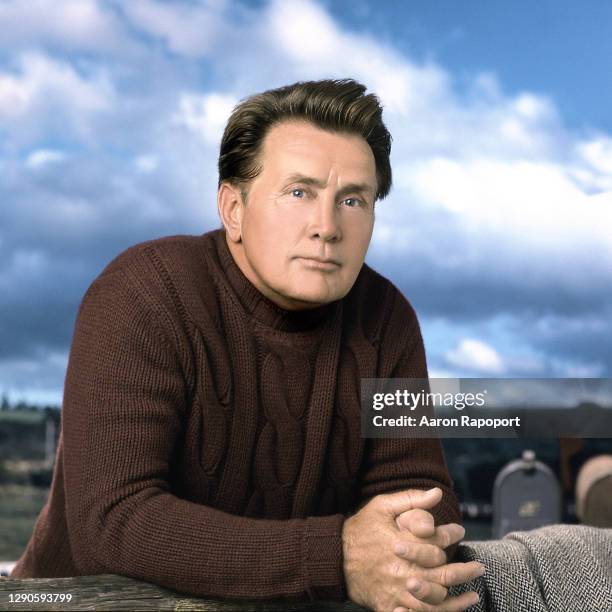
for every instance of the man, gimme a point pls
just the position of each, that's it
(211, 417)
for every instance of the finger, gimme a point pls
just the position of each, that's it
(451, 604)
(444, 535)
(396, 503)
(424, 555)
(419, 522)
(454, 573)
(429, 592)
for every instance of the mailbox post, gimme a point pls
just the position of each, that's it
(526, 495)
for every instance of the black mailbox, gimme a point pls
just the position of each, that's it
(526, 495)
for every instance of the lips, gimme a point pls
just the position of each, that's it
(320, 263)
(322, 260)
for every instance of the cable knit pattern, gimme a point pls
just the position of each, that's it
(211, 441)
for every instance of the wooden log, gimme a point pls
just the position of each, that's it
(111, 592)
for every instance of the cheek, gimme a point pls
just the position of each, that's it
(278, 228)
(361, 231)
(269, 241)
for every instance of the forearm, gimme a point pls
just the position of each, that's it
(395, 464)
(157, 537)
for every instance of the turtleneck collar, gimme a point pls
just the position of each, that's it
(262, 308)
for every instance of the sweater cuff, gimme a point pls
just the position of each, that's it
(323, 560)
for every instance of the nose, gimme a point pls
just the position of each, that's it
(325, 221)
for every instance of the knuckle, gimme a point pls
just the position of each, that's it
(435, 555)
(445, 539)
(396, 569)
(410, 515)
(419, 606)
(443, 595)
(411, 497)
(425, 590)
(384, 503)
(378, 500)
(435, 595)
(446, 576)
(423, 557)
(405, 600)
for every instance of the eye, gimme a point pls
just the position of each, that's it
(298, 193)
(353, 202)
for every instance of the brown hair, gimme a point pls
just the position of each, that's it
(335, 105)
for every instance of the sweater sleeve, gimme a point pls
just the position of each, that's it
(395, 464)
(125, 397)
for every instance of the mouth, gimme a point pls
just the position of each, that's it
(319, 263)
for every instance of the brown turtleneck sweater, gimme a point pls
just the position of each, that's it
(211, 440)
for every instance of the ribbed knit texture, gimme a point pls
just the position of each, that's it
(211, 441)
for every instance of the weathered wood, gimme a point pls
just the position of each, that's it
(110, 592)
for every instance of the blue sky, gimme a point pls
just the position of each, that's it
(498, 225)
(553, 47)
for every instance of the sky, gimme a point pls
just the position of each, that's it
(498, 228)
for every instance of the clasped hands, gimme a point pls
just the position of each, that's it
(394, 559)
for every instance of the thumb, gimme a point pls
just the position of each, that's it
(396, 503)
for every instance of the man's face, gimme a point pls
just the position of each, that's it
(309, 218)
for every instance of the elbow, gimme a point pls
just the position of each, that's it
(89, 552)
(92, 541)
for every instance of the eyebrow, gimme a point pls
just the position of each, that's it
(350, 188)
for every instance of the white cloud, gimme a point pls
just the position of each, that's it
(44, 157)
(14, 96)
(44, 91)
(146, 163)
(532, 107)
(534, 202)
(192, 30)
(205, 115)
(69, 24)
(308, 39)
(593, 169)
(598, 153)
(475, 355)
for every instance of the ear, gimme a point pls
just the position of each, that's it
(230, 205)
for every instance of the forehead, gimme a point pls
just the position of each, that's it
(303, 146)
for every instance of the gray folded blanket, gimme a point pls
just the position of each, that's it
(559, 568)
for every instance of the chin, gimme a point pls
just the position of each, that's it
(311, 291)
(315, 298)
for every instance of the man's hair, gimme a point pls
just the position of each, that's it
(335, 105)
